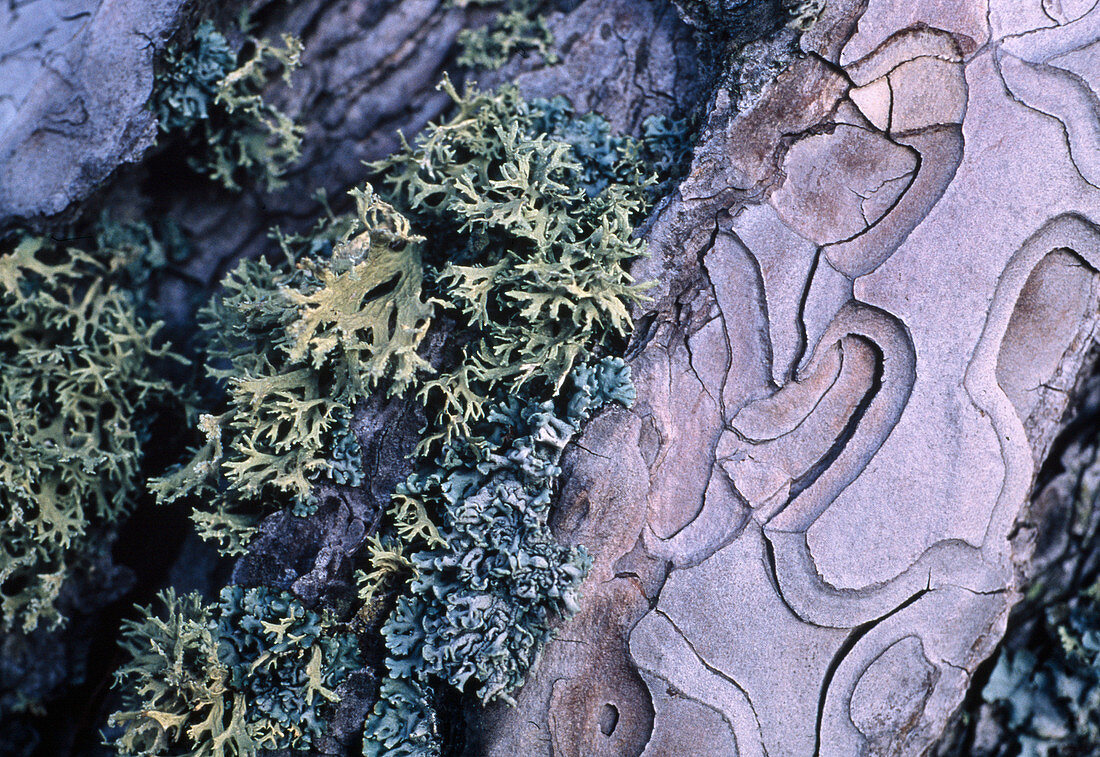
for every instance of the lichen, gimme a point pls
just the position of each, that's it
(745, 20)
(509, 226)
(1049, 698)
(295, 346)
(523, 241)
(506, 229)
(531, 215)
(529, 210)
(79, 391)
(517, 27)
(175, 687)
(483, 594)
(258, 671)
(214, 97)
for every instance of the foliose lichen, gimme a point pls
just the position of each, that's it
(1049, 697)
(489, 580)
(745, 20)
(258, 671)
(213, 96)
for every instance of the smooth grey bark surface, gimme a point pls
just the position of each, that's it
(74, 81)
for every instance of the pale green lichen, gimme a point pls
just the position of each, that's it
(79, 390)
(512, 223)
(518, 27)
(175, 687)
(214, 96)
(295, 346)
(256, 672)
(524, 241)
(534, 233)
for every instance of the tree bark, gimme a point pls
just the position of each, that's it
(877, 290)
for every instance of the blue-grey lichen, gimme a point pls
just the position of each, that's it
(516, 219)
(214, 95)
(513, 223)
(530, 211)
(286, 660)
(79, 390)
(745, 20)
(258, 671)
(608, 157)
(488, 582)
(188, 79)
(1049, 696)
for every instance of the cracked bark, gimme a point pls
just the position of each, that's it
(952, 576)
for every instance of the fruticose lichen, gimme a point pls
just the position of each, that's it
(296, 345)
(504, 232)
(507, 229)
(523, 241)
(213, 95)
(530, 210)
(255, 672)
(517, 27)
(532, 232)
(79, 390)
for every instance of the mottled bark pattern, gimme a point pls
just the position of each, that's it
(878, 287)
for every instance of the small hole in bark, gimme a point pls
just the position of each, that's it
(609, 718)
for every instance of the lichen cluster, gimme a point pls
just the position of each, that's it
(744, 20)
(486, 582)
(257, 671)
(1049, 697)
(522, 243)
(482, 275)
(296, 345)
(530, 211)
(517, 27)
(213, 96)
(79, 390)
(530, 215)
(508, 226)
